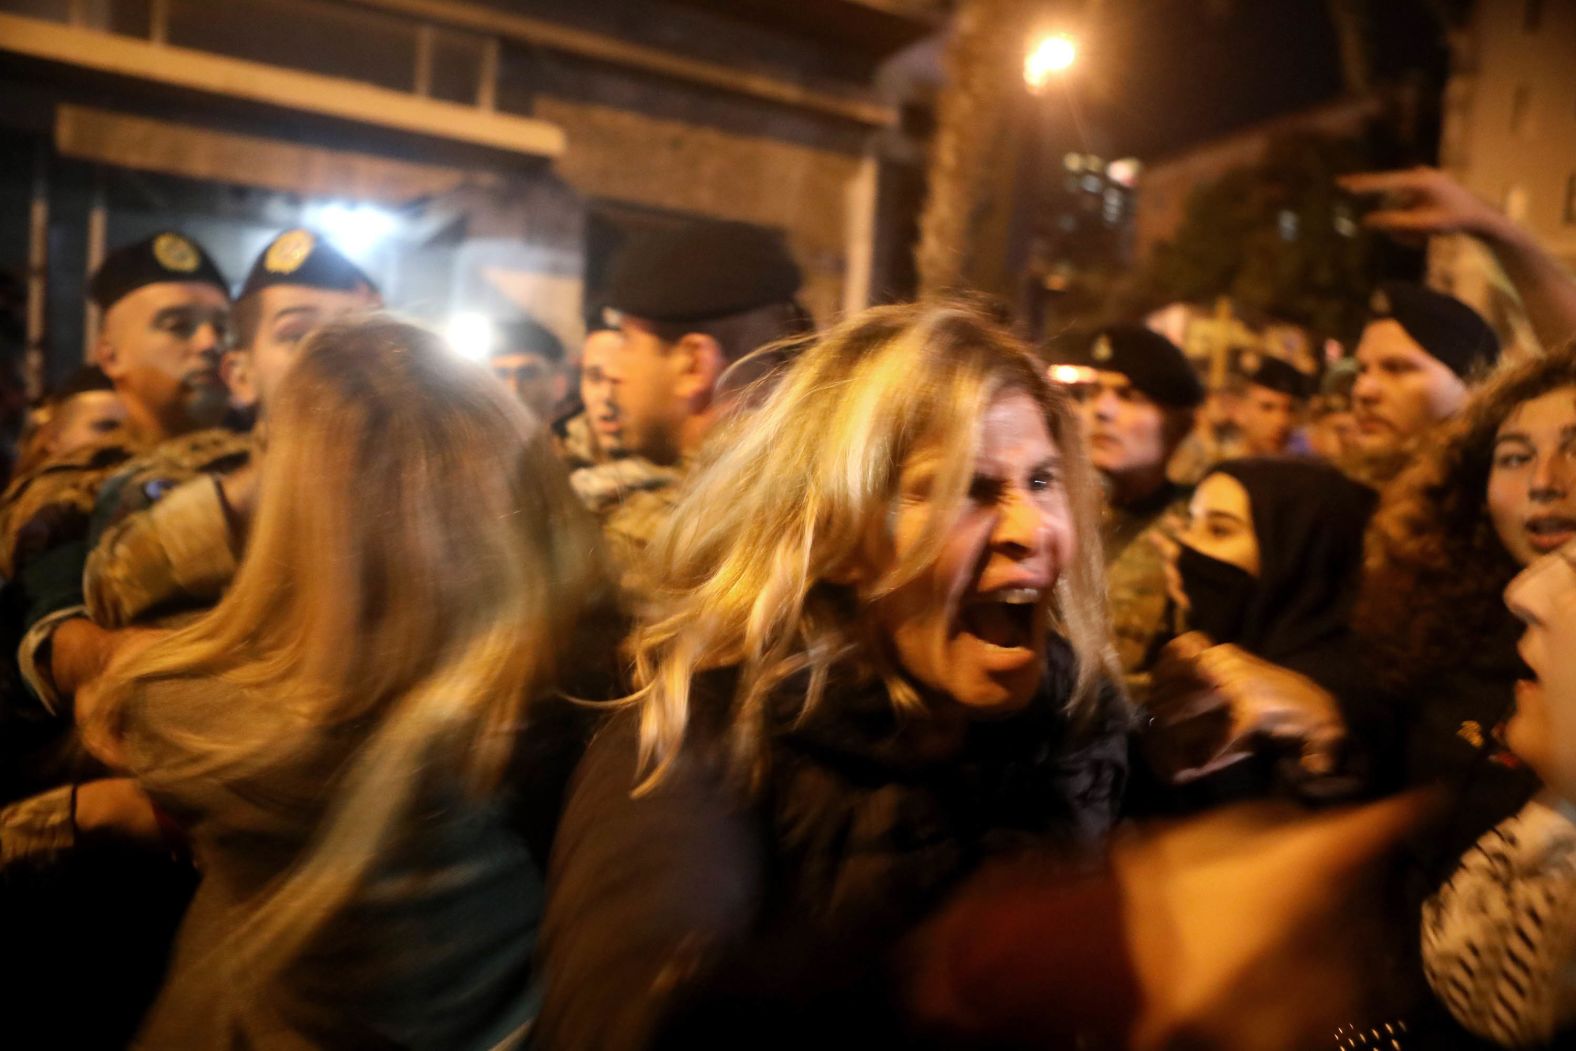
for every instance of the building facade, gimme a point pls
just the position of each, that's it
(1510, 136)
(475, 156)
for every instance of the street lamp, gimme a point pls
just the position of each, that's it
(1050, 56)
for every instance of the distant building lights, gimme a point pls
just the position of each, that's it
(1124, 172)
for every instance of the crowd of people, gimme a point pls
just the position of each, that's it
(730, 681)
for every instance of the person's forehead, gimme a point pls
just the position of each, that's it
(277, 299)
(1108, 378)
(165, 295)
(1384, 338)
(1269, 395)
(599, 345)
(1220, 493)
(1551, 408)
(1015, 421)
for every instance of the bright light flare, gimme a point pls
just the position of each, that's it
(1071, 375)
(355, 229)
(1052, 55)
(471, 335)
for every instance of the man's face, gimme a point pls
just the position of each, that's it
(83, 419)
(1266, 418)
(286, 314)
(1125, 430)
(646, 393)
(537, 382)
(1333, 436)
(598, 366)
(1402, 390)
(160, 345)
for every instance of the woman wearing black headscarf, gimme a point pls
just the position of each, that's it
(1266, 572)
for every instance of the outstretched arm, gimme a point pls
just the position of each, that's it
(1425, 201)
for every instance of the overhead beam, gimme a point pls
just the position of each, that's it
(290, 89)
(146, 144)
(599, 48)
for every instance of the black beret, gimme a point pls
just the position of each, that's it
(701, 272)
(1442, 325)
(527, 336)
(303, 258)
(166, 256)
(1281, 376)
(1154, 364)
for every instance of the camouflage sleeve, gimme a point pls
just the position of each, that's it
(32, 658)
(52, 504)
(178, 552)
(144, 481)
(37, 830)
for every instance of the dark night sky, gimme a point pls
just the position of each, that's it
(1167, 74)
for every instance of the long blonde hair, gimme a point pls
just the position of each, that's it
(756, 567)
(417, 565)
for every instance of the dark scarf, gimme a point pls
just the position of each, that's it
(1309, 520)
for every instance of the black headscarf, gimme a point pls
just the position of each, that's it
(1309, 520)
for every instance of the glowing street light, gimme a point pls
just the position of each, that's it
(1051, 56)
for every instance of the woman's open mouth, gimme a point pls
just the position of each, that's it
(1004, 618)
(1548, 532)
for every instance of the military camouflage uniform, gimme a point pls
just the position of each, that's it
(1135, 578)
(92, 492)
(631, 498)
(576, 443)
(176, 555)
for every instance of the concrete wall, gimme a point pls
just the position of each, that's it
(1510, 136)
(672, 165)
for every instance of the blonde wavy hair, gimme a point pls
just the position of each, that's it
(417, 566)
(761, 566)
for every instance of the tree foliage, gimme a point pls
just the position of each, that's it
(1277, 237)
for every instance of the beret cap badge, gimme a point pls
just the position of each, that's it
(174, 252)
(1380, 303)
(1102, 349)
(289, 251)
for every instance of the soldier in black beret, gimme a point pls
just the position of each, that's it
(688, 302)
(298, 282)
(1266, 417)
(1418, 354)
(173, 543)
(166, 316)
(529, 360)
(1139, 401)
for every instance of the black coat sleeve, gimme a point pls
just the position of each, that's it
(644, 895)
